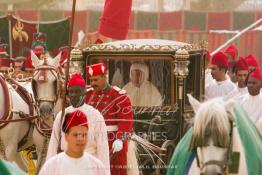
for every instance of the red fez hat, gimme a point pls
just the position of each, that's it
(75, 118)
(28, 64)
(232, 50)
(220, 59)
(208, 56)
(251, 61)
(95, 69)
(3, 52)
(241, 64)
(256, 74)
(76, 80)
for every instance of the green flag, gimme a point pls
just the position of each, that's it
(181, 156)
(4, 29)
(57, 33)
(7, 168)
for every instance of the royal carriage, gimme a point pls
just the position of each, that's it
(174, 69)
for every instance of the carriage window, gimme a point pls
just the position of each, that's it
(147, 82)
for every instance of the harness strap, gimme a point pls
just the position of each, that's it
(24, 140)
(215, 162)
(43, 128)
(24, 94)
(7, 114)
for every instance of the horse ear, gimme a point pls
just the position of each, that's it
(193, 102)
(34, 59)
(56, 60)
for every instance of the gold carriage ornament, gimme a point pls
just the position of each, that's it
(18, 32)
(181, 63)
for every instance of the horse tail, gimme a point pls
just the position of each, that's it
(132, 161)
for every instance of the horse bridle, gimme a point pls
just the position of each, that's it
(55, 73)
(42, 127)
(222, 164)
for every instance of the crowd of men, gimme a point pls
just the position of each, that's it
(231, 76)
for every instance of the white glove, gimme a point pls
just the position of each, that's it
(117, 145)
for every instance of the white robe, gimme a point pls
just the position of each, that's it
(146, 95)
(97, 143)
(252, 105)
(62, 164)
(237, 93)
(219, 89)
(208, 78)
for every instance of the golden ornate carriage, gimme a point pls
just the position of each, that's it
(175, 69)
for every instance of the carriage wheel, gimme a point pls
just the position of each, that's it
(169, 145)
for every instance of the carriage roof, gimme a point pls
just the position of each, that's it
(142, 45)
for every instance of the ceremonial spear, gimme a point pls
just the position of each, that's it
(67, 72)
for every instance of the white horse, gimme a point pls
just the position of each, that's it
(46, 85)
(19, 135)
(215, 145)
(14, 136)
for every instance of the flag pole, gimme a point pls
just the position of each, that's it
(236, 36)
(67, 70)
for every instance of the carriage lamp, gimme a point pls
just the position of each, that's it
(181, 63)
(181, 69)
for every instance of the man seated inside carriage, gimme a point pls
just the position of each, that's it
(140, 90)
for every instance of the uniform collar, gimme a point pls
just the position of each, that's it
(107, 87)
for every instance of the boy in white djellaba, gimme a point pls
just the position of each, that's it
(75, 160)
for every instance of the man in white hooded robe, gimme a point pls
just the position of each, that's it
(140, 90)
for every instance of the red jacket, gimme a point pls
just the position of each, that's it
(115, 106)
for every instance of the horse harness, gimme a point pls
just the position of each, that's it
(224, 165)
(43, 78)
(8, 111)
(43, 128)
